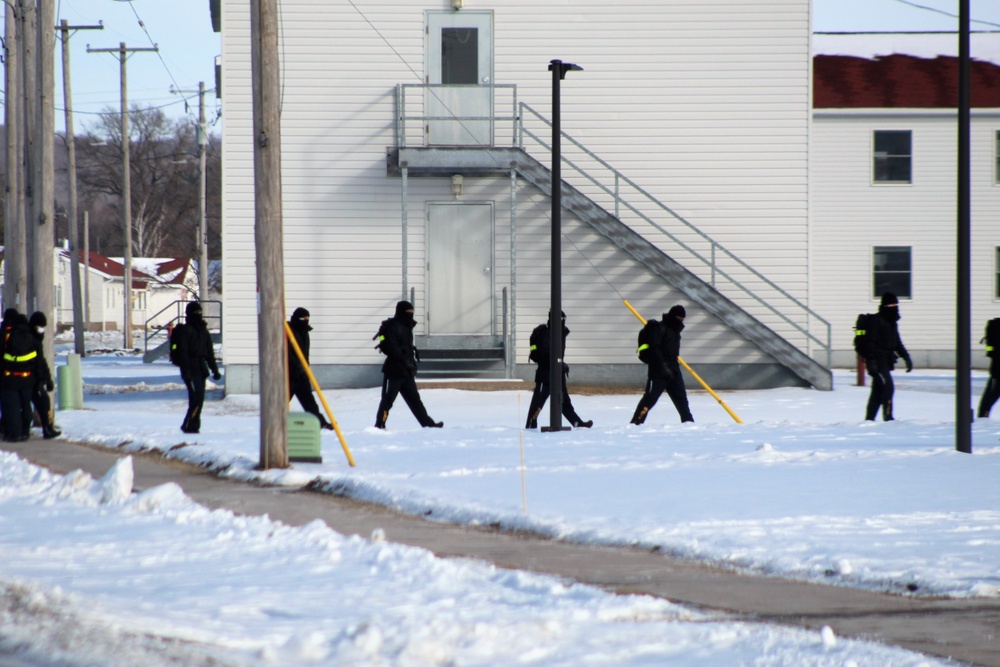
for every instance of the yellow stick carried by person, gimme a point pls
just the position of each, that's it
(312, 379)
(688, 369)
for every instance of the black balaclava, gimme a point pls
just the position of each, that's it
(404, 313)
(889, 308)
(300, 318)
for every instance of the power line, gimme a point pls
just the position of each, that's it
(935, 10)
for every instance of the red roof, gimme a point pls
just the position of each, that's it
(115, 269)
(900, 81)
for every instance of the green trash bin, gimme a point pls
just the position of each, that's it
(69, 384)
(303, 438)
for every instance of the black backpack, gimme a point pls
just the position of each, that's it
(648, 335)
(539, 342)
(864, 343)
(19, 350)
(380, 335)
(177, 344)
(992, 336)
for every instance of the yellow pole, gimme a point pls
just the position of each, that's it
(312, 380)
(688, 369)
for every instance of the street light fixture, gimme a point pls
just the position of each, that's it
(558, 69)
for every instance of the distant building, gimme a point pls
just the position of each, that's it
(883, 188)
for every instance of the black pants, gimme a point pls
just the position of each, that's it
(407, 387)
(992, 391)
(43, 405)
(674, 386)
(538, 398)
(301, 388)
(881, 395)
(196, 399)
(16, 399)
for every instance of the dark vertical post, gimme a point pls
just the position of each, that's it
(963, 332)
(558, 69)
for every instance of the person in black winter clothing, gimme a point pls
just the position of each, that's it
(299, 385)
(43, 378)
(400, 368)
(197, 354)
(663, 371)
(5, 327)
(992, 391)
(541, 354)
(20, 363)
(886, 347)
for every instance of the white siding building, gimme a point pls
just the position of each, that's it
(883, 188)
(704, 106)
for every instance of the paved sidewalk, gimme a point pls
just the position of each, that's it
(966, 630)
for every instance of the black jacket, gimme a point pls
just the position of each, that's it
(300, 329)
(400, 354)
(43, 375)
(887, 345)
(197, 351)
(664, 348)
(22, 356)
(542, 354)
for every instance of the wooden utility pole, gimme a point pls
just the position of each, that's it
(86, 267)
(202, 138)
(29, 69)
(123, 52)
(271, 345)
(43, 223)
(74, 236)
(14, 265)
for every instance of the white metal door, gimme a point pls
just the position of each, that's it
(459, 57)
(460, 268)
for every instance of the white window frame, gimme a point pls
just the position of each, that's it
(874, 156)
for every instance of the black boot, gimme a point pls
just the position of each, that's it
(640, 416)
(584, 424)
(50, 432)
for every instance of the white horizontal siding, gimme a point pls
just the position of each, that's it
(850, 216)
(705, 105)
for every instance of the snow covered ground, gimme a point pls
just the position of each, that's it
(804, 488)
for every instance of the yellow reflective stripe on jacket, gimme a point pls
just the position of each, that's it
(989, 348)
(533, 348)
(24, 357)
(859, 332)
(644, 346)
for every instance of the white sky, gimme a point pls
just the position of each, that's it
(188, 47)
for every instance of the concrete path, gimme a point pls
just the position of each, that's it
(966, 630)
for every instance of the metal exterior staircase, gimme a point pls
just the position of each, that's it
(486, 160)
(624, 213)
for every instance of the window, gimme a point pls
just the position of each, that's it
(893, 155)
(892, 271)
(996, 157)
(459, 55)
(996, 268)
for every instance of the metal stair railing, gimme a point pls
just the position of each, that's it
(160, 335)
(713, 263)
(638, 210)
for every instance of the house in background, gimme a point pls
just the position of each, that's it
(415, 142)
(883, 187)
(156, 285)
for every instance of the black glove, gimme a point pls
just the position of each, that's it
(909, 364)
(416, 354)
(216, 375)
(49, 386)
(565, 369)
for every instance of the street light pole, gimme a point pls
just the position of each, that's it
(558, 69)
(963, 328)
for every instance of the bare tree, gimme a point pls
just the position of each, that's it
(164, 183)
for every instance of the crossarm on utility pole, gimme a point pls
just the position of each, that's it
(689, 369)
(315, 385)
